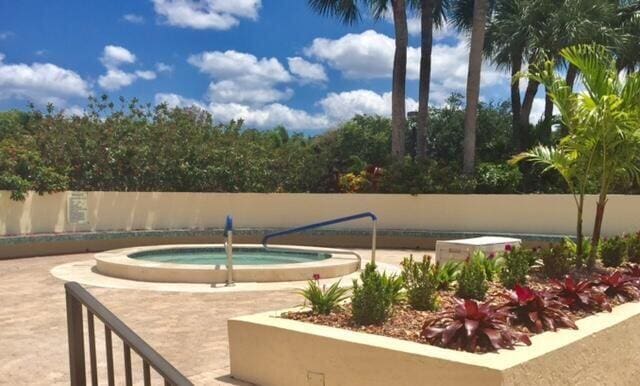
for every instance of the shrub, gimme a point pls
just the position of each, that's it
(372, 300)
(471, 325)
(557, 261)
(324, 300)
(538, 311)
(612, 251)
(472, 282)
(421, 283)
(517, 263)
(633, 247)
(497, 178)
(447, 274)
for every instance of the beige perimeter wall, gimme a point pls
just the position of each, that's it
(541, 214)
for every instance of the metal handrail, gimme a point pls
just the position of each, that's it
(78, 297)
(303, 228)
(228, 247)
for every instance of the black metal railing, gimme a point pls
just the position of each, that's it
(77, 297)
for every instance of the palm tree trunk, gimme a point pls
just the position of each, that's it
(527, 104)
(398, 113)
(480, 8)
(548, 116)
(572, 73)
(425, 78)
(516, 66)
(597, 228)
(579, 233)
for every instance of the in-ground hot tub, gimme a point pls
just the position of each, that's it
(206, 263)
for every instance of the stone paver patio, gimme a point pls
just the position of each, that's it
(188, 329)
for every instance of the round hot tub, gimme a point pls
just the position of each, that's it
(206, 263)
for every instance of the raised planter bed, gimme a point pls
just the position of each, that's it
(268, 350)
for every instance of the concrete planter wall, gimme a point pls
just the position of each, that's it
(271, 351)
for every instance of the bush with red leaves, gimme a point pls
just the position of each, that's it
(618, 286)
(472, 326)
(538, 311)
(581, 295)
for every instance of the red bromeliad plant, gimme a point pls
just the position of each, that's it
(472, 325)
(632, 270)
(581, 295)
(538, 311)
(618, 286)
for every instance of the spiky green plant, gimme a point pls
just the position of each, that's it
(324, 300)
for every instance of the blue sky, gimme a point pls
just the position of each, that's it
(267, 61)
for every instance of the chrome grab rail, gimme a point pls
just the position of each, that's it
(303, 228)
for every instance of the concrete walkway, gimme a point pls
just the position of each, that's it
(188, 329)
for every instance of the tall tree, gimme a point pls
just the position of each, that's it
(432, 14)
(348, 11)
(478, 28)
(507, 45)
(603, 121)
(398, 100)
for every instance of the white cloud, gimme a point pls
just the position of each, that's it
(115, 79)
(335, 108)
(163, 67)
(243, 78)
(243, 92)
(359, 56)
(114, 56)
(307, 71)
(175, 100)
(234, 64)
(6, 35)
(342, 106)
(206, 14)
(146, 75)
(268, 116)
(369, 55)
(40, 82)
(133, 18)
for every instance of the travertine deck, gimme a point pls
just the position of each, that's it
(189, 329)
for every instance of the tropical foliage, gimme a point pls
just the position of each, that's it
(324, 300)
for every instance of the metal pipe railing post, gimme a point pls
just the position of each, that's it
(373, 242)
(229, 249)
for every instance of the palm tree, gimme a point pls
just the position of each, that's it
(603, 121)
(478, 28)
(348, 11)
(398, 100)
(432, 15)
(507, 44)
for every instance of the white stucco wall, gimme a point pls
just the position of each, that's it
(541, 214)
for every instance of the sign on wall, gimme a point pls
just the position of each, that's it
(77, 208)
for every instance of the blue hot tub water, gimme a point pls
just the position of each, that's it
(217, 256)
